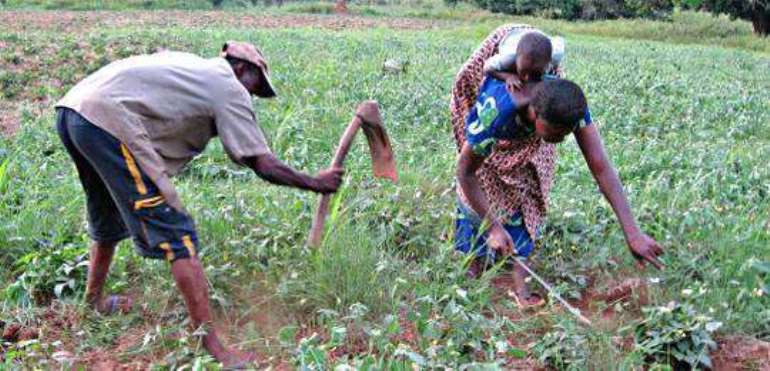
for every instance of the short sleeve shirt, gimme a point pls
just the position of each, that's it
(494, 117)
(165, 108)
(505, 60)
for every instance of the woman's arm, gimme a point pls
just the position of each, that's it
(467, 165)
(642, 246)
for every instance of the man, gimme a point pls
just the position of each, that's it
(506, 160)
(138, 121)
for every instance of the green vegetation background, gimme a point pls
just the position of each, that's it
(686, 126)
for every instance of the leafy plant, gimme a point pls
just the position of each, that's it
(565, 346)
(4, 174)
(49, 273)
(676, 333)
(311, 354)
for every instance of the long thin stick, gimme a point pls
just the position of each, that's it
(553, 293)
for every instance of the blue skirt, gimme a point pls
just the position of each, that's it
(470, 239)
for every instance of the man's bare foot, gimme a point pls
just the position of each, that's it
(230, 358)
(113, 304)
(524, 297)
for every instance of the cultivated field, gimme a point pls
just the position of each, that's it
(686, 126)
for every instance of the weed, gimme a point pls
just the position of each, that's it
(676, 334)
(565, 346)
(48, 273)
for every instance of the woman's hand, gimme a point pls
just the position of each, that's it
(500, 240)
(646, 250)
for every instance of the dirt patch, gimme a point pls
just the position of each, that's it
(111, 359)
(253, 322)
(15, 332)
(611, 303)
(624, 291)
(9, 119)
(626, 296)
(504, 290)
(741, 353)
(70, 21)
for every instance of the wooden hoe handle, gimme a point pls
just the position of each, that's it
(316, 232)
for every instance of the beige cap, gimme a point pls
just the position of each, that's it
(251, 54)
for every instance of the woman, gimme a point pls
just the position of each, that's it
(503, 192)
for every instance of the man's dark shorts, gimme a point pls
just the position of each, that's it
(121, 199)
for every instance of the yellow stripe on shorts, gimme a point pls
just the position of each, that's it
(189, 244)
(133, 169)
(148, 202)
(167, 248)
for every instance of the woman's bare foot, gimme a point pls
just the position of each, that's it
(475, 269)
(524, 297)
(113, 304)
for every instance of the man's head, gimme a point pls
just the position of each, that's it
(250, 67)
(533, 54)
(557, 107)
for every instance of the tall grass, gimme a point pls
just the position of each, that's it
(349, 269)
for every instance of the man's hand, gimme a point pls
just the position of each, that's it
(500, 240)
(646, 250)
(329, 180)
(513, 82)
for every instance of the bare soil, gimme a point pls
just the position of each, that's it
(741, 353)
(72, 21)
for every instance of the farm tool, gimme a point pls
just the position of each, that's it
(369, 120)
(552, 292)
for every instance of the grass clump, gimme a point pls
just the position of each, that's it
(348, 270)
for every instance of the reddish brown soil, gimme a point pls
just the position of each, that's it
(408, 333)
(110, 359)
(9, 122)
(593, 303)
(11, 332)
(341, 7)
(15, 332)
(741, 353)
(71, 21)
(630, 294)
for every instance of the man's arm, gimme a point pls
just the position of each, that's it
(269, 168)
(642, 246)
(467, 165)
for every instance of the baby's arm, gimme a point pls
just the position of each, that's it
(510, 77)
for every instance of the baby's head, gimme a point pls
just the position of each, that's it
(557, 107)
(533, 54)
